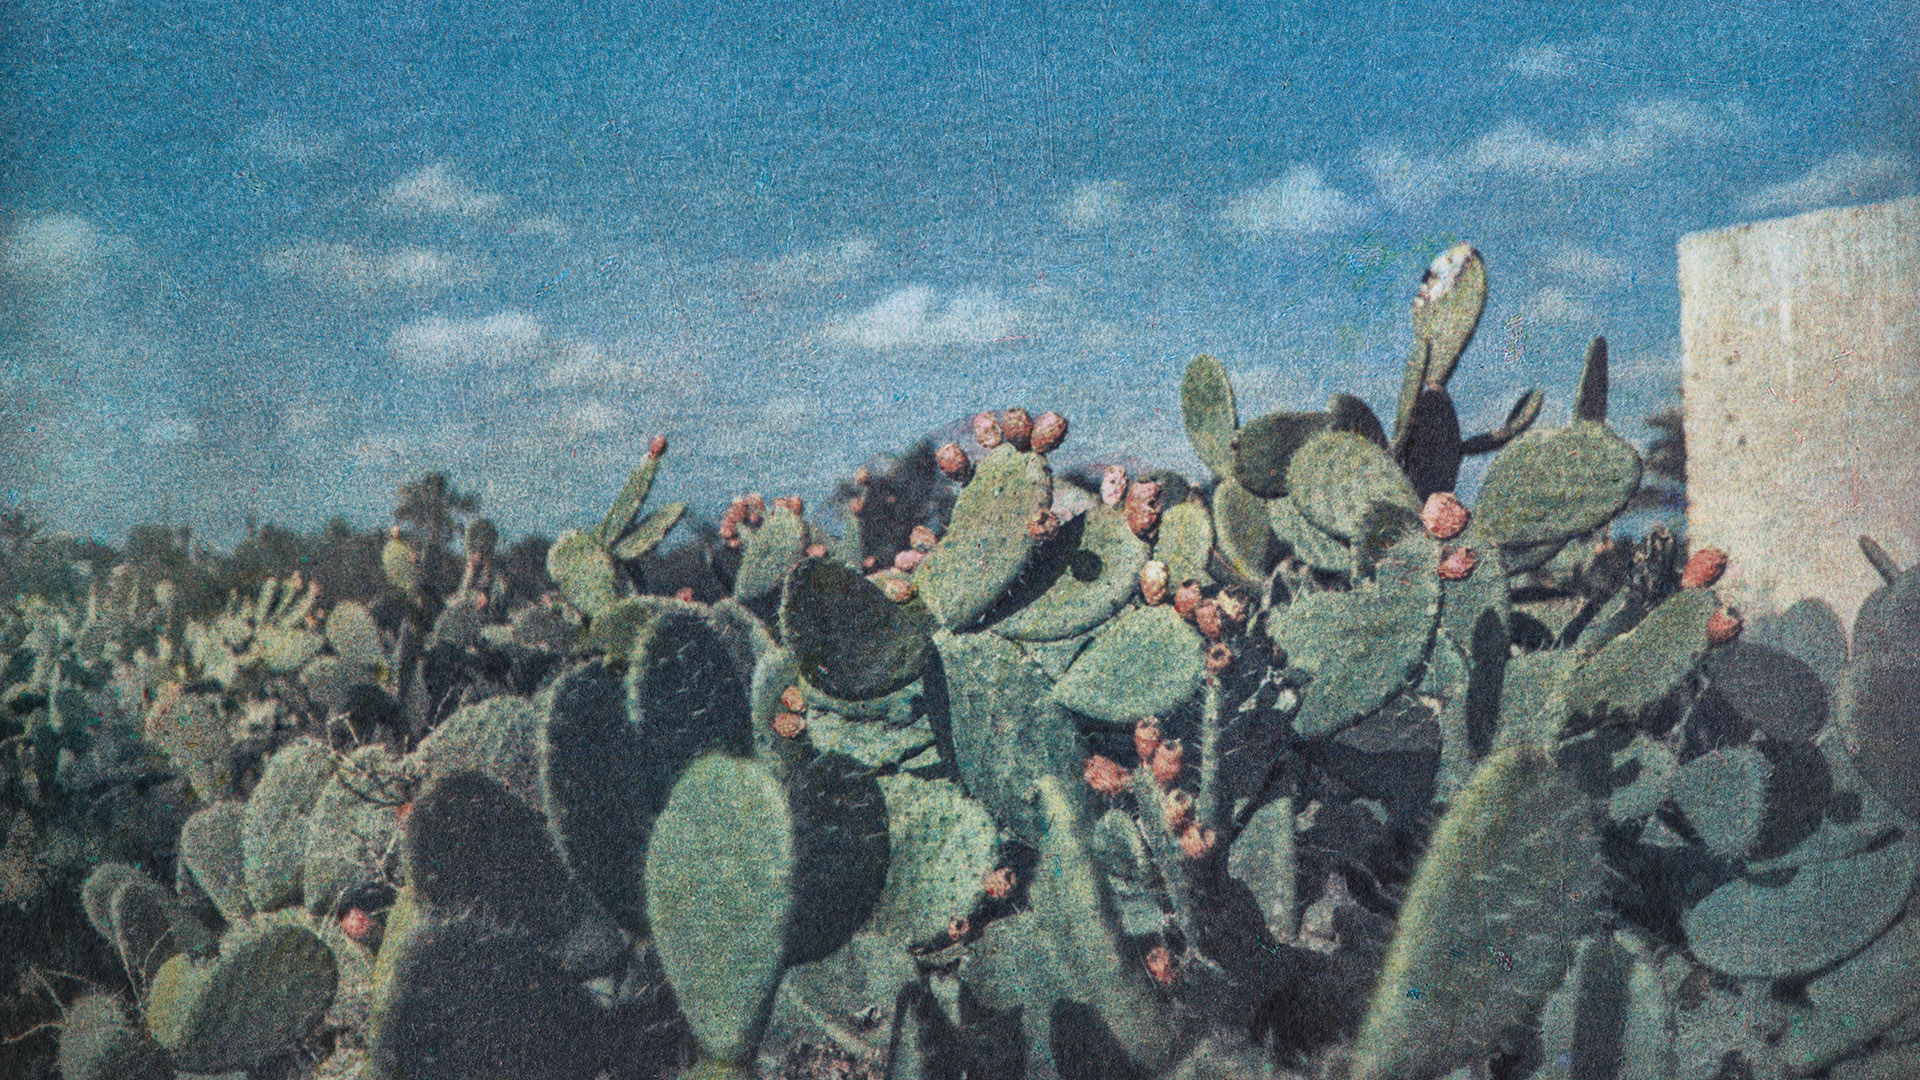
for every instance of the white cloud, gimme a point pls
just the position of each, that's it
(1554, 304)
(589, 418)
(1404, 179)
(1541, 62)
(817, 266)
(283, 141)
(438, 189)
(1093, 204)
(1301, 201)
(346, 268)
(1585, 264)
(1847, 177)
(52, 248)
(510, 339)
(912, 318)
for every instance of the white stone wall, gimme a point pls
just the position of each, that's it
(1802, 383)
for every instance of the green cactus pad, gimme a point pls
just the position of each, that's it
(848, 638)
(1264, 448)
(499, 736)
(1880, 722)
(1512, 872)
(943, 845)
(771, 551)
(1551, 486)
(1810, 632)
(351, 830)
(1646, 663)
(584, 572)
(268, 989)
(987, 546)
(396, 561)
(98, 1043)
(1364, 646)
(1147, 662)
(1262, 858)
(1448, 309)
(1095, 574)
(651, 530)
(1206, 407)
(1724, 797)
(1350, 414)
(730, 894)
(1773, 690)
(632, 497)
(598, 786)
(210, 848)
(1242, 532)
(1608, 1021)
(684, 695)
(1770, 928)
(1590, 401)
(1858, 1001)
(96, 894)
(148, 927)
(1642, 779)
(463, 1000)
(1305, 540)
(1004, 734)
(1430, 453)
(1185, 542)
(274, 834)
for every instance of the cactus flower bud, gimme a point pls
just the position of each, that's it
(685, 594)
(1160, 965)
(356, 924)
(1153, 581)
(816, 551)
(905, 561)
(1113, 485)
(1017, 426)
(1704, 568)
(1146, 738)
(953, 462)
(1724, 626)
(986, 431)
(898, 590)
(1443, 516)
(791, 504)
(862, 476)
(1186, 598)
(1457, 564)
(1196, 842)
(657, 446)
(1167, 759)
(1106, 776)
(1049, 431)
(1219, 657)
(789, 725)
(793, 700)
(1206, 616)
(922, 538)
(998, 883)
(856, 506)
(756, 509)
(1143, 508)
(1177, 807)
(958, 928)
(870, 563)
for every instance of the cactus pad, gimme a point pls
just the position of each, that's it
(1551, 486)
(848, 638)
(270, 985)
(1206, 407)
(987, 544)
(584, 572)
(1263, 449)
(1147, 662)
(1092, 578)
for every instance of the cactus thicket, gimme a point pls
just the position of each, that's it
(1308, 767)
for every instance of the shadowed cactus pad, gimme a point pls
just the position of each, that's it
(268, 988)
(847, 637)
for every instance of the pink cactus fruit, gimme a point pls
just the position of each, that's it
(905, 561)
(657, 446)
(959, 927)
(1206, 616)
(1444, 516)
(999, 883)
(1106, 776)
(1049, 431)
(898, 590)
(1143, 508)
(1186, 598)
(1160, 965)
(953, 462)
(1196, 842)
(987, 432)
(1168, 758)
(1153, 581)
(793, 700)
(922, 539)
(356, 924)
(1146, 738)
(1113, 485)
(1017, 426)
(789, 725)
(1219, 657)
(1177, 806)
(1704, 568)
(1457, 564)
(1724, 625)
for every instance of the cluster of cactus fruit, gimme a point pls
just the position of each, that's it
(1309, 770)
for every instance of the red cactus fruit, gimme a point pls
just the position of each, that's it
(1160, 965)
(959, 927)
(789, 725)
(1704, 568)
(1049, 431)
(685, 593)
(862, 476)
(1153, 581)
(1196, 842)
(1167, 759)
(757, 509)
(1457, 564)
(791, 504)
(870, 563)
(1017, 426)
(1724, 626)
(999, 883)
(816, 551)
(1186, 598)
(856, 506)
(657, 446)
(1219, 657)
(898, 590)
(922, 538)
(1143, 508)
(1106, 776)
(356, 924)
(1232, 608)
(986, 431)
(1043, 525)
(1206, 616)
(1443, 516)
(1146, 738)
(1113, 485)
(953, 462)
(905, 561)
(793, 700)
(1177, 806)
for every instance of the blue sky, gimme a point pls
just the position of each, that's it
(282, 258)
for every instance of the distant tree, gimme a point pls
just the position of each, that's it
(429, 511)
(1665, 485)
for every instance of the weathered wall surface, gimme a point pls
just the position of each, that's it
(1802, 384)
